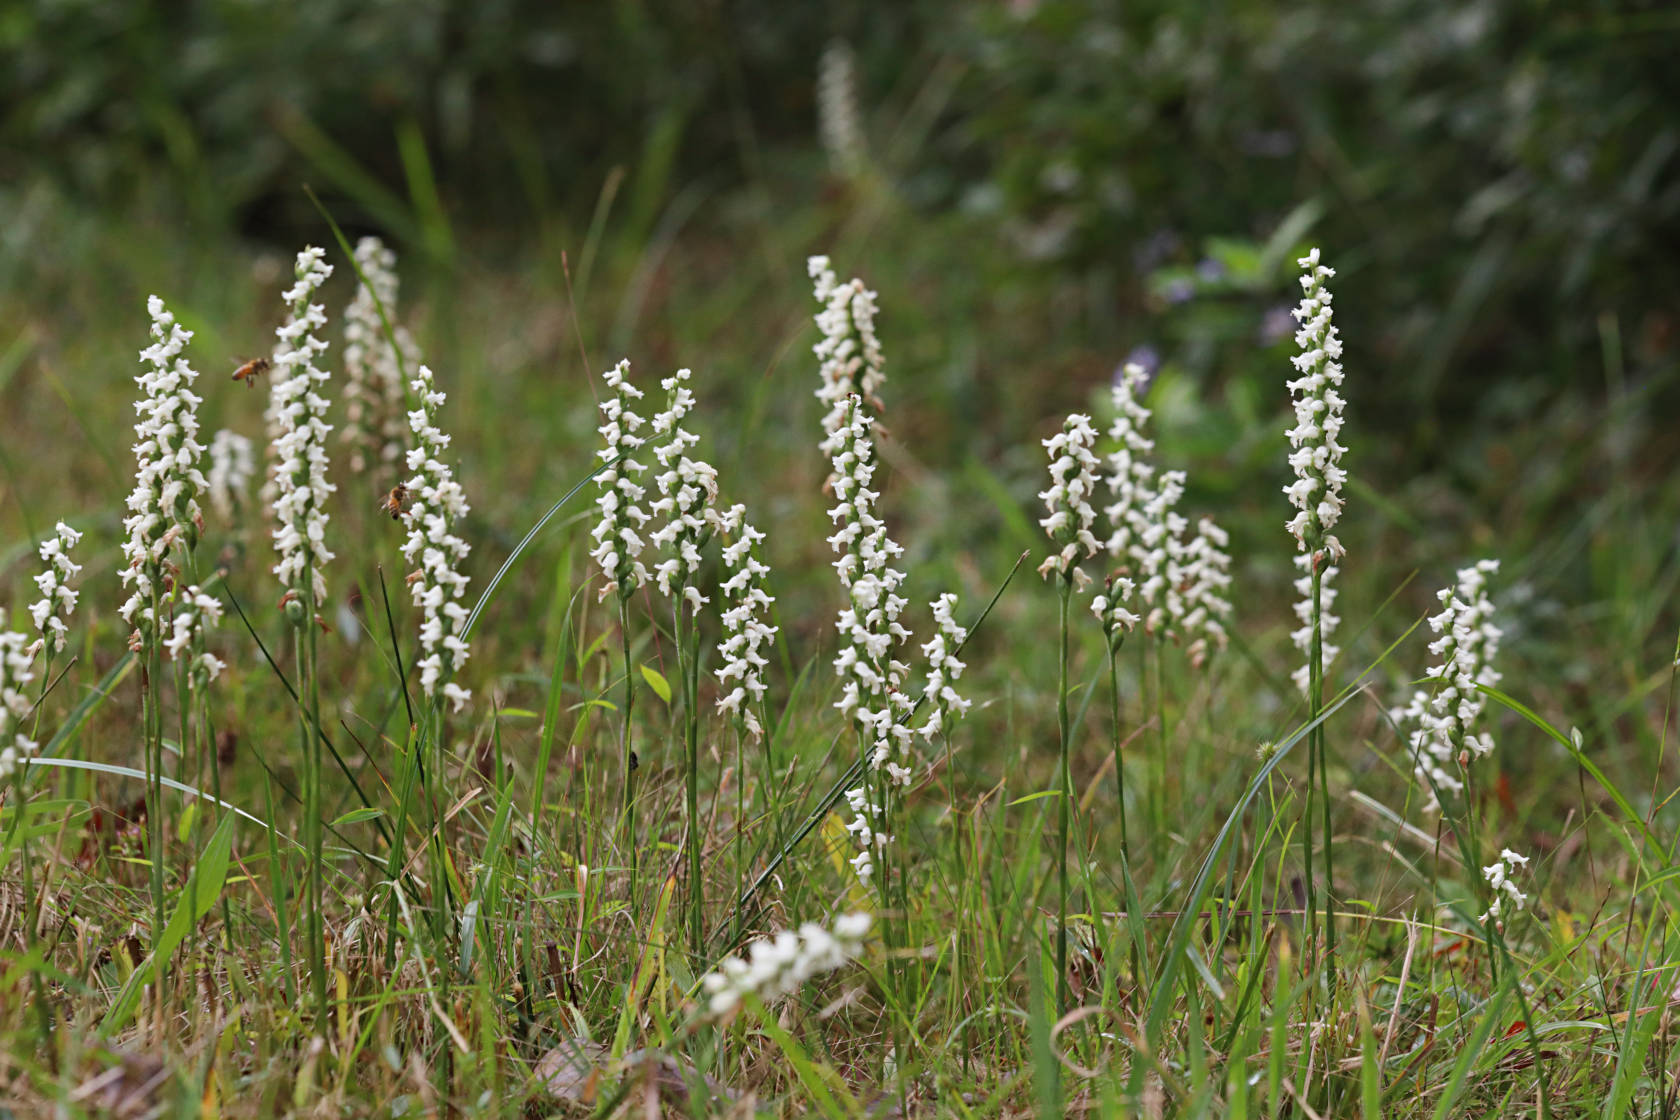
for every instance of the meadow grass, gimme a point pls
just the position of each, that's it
(509, 921)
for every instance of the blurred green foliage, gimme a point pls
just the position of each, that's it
(1490, 176)
(1496, 179)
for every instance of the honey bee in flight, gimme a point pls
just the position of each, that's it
(251, 370)
(395, 502)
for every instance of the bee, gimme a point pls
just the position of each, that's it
(251, 370)
(395, 502)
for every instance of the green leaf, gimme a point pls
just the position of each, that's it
(658, 683)
(204, 887)
(354, 816)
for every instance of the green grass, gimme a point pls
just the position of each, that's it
(562, 982)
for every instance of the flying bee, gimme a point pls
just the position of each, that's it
(251, 370)
(395, 502)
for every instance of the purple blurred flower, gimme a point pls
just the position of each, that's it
(1277, 324)
(1145, 355)
(1179, 290)
(1210, 271)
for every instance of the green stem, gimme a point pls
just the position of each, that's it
(1120, 786)
(1064, 808)
(627, 752)
(1316, 684)
(688, 664)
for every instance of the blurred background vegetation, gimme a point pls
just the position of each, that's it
(1046, 188)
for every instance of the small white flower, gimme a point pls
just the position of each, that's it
(163, 506)
(437, 503)
(375, 426)
(195, 615)
(232, 464)
(1499, 878)
(300, 448)
(687, 495)
(16, 748)
(849, 352)
(748, 635)
(1442, 718)
(51, 612)
(618, 541)
(838, 121)
(1110, 609)
(781, 964)
(944, 669)
(1073, 482)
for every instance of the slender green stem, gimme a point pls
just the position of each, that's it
(1120, 786)
(688, 664)
(1064, 585)
(1316, 686)
(627, 747)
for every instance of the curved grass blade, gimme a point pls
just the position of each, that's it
(495, 583)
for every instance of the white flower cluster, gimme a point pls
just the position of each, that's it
(943, 667)
(58, 598)
(1073, 481)
(1315, 447)
(1110, 609)
(837, 109)
(1498, 876)
(848, 350)
(164, 502)
(1156, 548)
(1129, 470)
(872, 679)
(618, 544)
(194, 617)
(232, 463)
(1201, 575)
(374, 427)
(436, 505)
(1442, 740)
(300, 451)
(1315, 456)
(1181, 583)
(748, 634)
(780, 965)
(687, 495)
(16, 748)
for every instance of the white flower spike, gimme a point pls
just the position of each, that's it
(1315, 456)
(618, 541)
(163, 506)
(1442, 718)
(780, 965)
(16, 747)
(300, 450)
(748, 635)
(943, 668)
(1499, 880)
(436, 505)
(52, 611)
(197, 614)
(1073, 482)
(849, 352)
(375, 427)
(687, 496)
(1130, 473)
(232, 464)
